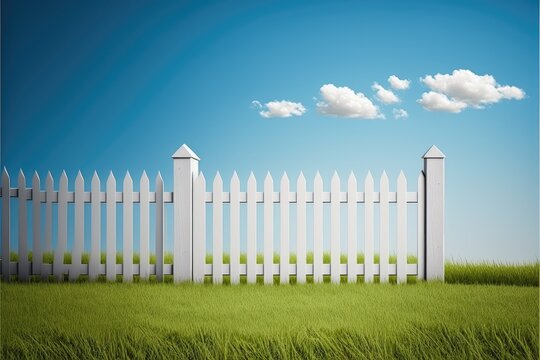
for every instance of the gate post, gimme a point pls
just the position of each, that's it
(185, 168)
(434, 214)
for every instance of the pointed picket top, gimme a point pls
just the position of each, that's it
(5, 183)
(268, 182)
(235, 181)
(49, 181)
(184, 152)
(111, 178)
(335, 180)
(284, 179)
(218, 181)
(384, 181)
(318, 183)
(402, 180)
(5, 174)
(128, 181)
(200, 179)
(352, 180)
(251, 178)
(95, 180)
(301, 182)
(144, 178)
(369, 179)
(79, 179)
(35, 180)
(268, 179)
(434, 153)
(251, 183)
(63, 179)
(111, 183)
(79, 182)
(21, 180)
(159, 178)
(421, 176)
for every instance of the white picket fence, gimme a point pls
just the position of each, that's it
(190, 198)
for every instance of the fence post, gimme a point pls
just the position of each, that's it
(185, 168)
(434, 214)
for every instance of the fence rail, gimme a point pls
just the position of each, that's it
(190, 198)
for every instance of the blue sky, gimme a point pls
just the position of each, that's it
(100, 85)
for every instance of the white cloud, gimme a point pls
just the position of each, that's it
(343, 101)
(400, 113)
(465, 87)
(281, 108)
(511, 92)
(384, 95)
(435, 101)
(397, 83)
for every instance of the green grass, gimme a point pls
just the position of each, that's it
(492, 273)
(422, 321)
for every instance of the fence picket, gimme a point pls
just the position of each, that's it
(301, 229)
(127, 267)
(284, 230)
(352, 246)
(49, 188)
(251, 229)
(217, 200)
(335, 238)
(78, 244)
(420, 229)
(235, 229)
(268, 269)
(317, 229)
(401, 228)
(199, 228)
(368, 228)
(110, 268)
(23, 232)
(160, 227)
(95, 231)
(384, 230)
(144, 240)
(37, 256)
(61, 245)
(6, 219)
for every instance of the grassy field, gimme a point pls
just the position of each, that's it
(484, 311)
(425, 320)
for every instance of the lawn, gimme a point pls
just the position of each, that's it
(371, 321)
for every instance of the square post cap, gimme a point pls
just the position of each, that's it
(433, 153)
(184, 152)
